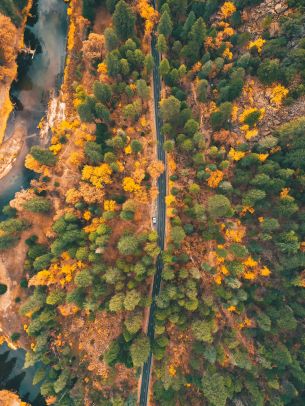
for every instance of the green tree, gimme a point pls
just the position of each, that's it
(111, 39)
(38, 205)
(123, 20)
(202, 331)
(83, 278)
(133, 323)
(177, 235)
(133, 110)
(128, 245)
(102, 112)
(222, 118)
(139, 350)
(136, 146)
(189, 22)
(149, 63)
(269, 71)
(165, 26)
(169, 145)
(132, 299)
(162, 44)
(219, 206)
(85, 112)
(202, 90)
(170, 108)
(102, 91)
(214, 390)
(93, 152)
(43, 156)
(113, 64)
(164, 67)
(116, 302)
(142, 89)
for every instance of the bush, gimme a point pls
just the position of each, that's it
(43, 156)
(3, 288)
(269, 71)
(38, 205)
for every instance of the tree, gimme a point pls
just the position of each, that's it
(162, 44)
(202, 90)
(164, 67)
(102, 91)
(221, 118)
(111, 39)
(93, 152)
(133, 110)
(113, 64)
(169, 145)
(132, 299)
(149, 63)
(83, 279)
(133, 323)
(269, 71)
(125, 68)
(136, 146)
(38, 205)
(43, 156)
(116, 302)
(191, 127)
(139, 350)
(85, 112)
(214, 389)
(202, 331)
(252, 196)
(142, 89)
(123, 20)
(170, 108)
(177, 235)
(165, 25)
(219, 206)
(128, 245)
(102, 112)
(189, 22)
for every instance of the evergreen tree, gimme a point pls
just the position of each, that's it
(123, 20)
(165, 25)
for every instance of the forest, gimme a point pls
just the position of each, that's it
(219, 87)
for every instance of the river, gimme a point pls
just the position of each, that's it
(34, 89)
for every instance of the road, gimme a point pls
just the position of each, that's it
(146, 372)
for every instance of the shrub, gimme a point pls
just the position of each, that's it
(3, 288)
(38, 205)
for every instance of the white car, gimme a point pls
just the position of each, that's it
(154, 220)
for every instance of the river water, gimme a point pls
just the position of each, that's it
(33, 90)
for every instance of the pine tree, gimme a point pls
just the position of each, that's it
(165, 26)
(123, 20)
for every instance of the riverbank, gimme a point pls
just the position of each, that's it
(6, 106)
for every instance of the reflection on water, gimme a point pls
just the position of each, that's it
(14, 378)
(33, 90)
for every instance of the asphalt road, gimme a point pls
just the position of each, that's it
(146, 372)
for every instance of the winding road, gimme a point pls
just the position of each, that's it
(161, 210)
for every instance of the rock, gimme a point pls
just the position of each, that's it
(280, 8)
